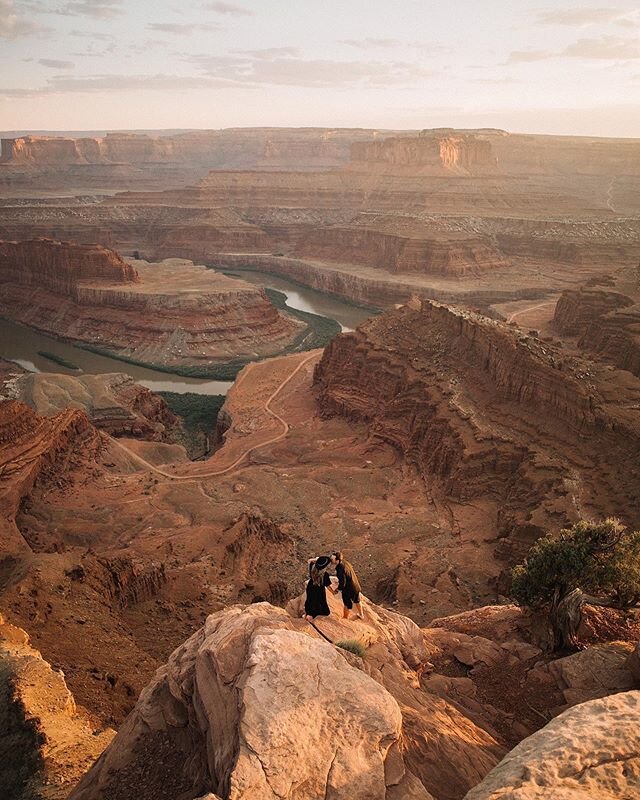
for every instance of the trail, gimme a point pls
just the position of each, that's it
(515, 314)
(285, 429)
(610, 196)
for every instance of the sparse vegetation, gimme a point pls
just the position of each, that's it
(354, 646)
(58, 360)
(199, 414)
(595, 563)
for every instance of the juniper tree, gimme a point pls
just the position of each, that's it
(595, 563)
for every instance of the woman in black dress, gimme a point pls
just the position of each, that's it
(315, 604)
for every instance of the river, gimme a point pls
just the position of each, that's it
(23, 345)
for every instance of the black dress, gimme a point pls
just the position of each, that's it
(315, 604)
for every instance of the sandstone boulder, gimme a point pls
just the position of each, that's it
(259, 704)
(590, 752)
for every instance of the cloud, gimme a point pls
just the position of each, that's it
(98, 37)
(14, 25)
(526, 56)
(581, 16)
(607, 47)
(181, 28)
(271, 52)
(295, 71)
(230, 9)
(63, 84)
(370, 41)
(98, 9)
(54, 63)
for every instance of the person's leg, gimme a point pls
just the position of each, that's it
(347, 606)
(358, 606)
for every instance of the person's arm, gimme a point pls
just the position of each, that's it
(341, 577)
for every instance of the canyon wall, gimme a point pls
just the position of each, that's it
(431, 153)
(480, 410)
(607, 323)
(170, 314)
(60, 266)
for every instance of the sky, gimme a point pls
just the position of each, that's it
(522, 65)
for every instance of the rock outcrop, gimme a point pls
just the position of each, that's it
(257, 704)
(46, 742)
(172, 314)
(591, 751)
(114, 402)
(40, 453)
(607, 323)
(480, 410)
(61, 267)
(431, 153)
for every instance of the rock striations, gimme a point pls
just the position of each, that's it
(431, 153)
(483, 411)
(606, 323)
(172, 314)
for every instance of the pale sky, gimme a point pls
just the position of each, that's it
(522, 65)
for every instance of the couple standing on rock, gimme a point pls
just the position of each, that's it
(319, 581)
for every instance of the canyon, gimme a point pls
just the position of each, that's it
(156, 599)
(172, 314)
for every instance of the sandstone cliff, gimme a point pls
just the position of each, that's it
(171, 314)
(481, 410)
(431, 153)
(46, 742)
(40, 452)
(61, 266)
(606, 322)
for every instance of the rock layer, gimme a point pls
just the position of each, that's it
(480, 410)
(170, 314)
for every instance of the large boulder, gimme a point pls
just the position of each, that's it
(590, 752)
(259, 705)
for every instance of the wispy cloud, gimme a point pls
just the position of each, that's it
(182, 28)
(526, 56)
(370, 41)
(98, 9)
(294, 71)
(608, 47)
(229, 9)
(62, 84)
(14, 25)
(612, 48)
(95, 35)
(582, 15)
(55, 63)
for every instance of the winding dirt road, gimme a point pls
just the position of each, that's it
(285, 429)
(515, 314)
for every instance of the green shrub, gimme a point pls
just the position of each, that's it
(354, 646)
(58, 360)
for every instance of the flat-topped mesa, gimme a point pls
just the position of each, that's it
(60, 266)
(431, 153)
(462, 398)
(172, 314)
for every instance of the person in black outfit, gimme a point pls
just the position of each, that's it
(315, 604)
(348, 584)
